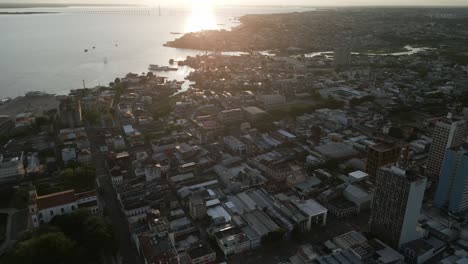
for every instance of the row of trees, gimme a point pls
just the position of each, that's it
(79, 178)
(76, 238)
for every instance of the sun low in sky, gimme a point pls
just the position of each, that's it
(202, 16)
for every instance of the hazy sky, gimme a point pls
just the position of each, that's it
(259, 2)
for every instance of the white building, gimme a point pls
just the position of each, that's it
(396, 205)
(44, 208)
(314, 212)
(232, 240)
(152, 172)
(231, 116)
(447, 134)
(357, 176)
(68, 154)
(116, 142)
(235, 145)
(85, 157)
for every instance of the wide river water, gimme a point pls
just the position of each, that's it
(45, 52)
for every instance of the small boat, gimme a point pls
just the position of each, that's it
(176, 33)
(94, 47)
(86, 50)
(4, 101)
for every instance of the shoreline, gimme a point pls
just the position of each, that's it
(27, 13)
(406, 50)
(51, 5)
(306, 32)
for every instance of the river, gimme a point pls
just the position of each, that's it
(45, 52)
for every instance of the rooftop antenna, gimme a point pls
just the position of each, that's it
(84, 86)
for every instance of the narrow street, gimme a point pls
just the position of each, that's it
(119, 223)
(127, 250)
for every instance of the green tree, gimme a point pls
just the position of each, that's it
(72, 224)
(331, 164)
(3, 139)
(92, 116)
(92, 232)
(396, 132)
(20, 198)
(81, 178)
(48, 248)
(97, 233)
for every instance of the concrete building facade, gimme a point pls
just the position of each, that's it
(197, 207)
(380, 155)
(396, 205)
(452, 188)
(447, 134)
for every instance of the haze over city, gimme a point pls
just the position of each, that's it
(260, 2)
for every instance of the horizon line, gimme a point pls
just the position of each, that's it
(240, 5)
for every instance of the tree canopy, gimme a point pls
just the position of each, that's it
(48, 248)
(81, 178)
(79, 237)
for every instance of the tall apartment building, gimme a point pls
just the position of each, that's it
(70, 111)
(396, 205)
(382, 154)
(448, 133)
(452, 188)
(197, 207)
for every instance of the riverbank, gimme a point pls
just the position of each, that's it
(306, 32)
(33, 104)
(27, 13)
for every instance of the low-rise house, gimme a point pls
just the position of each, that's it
(11, 167)
(232, 240)
(303, 213)
(157, 249)
(201, 254)
(231, 116)
(422, 250)
(253, 113)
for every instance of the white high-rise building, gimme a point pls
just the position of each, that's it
(396, 205)
(452, 188)
(448, 133)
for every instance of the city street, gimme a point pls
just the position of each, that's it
(111, 206)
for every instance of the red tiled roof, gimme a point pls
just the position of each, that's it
(55, 199)
(85, 194)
